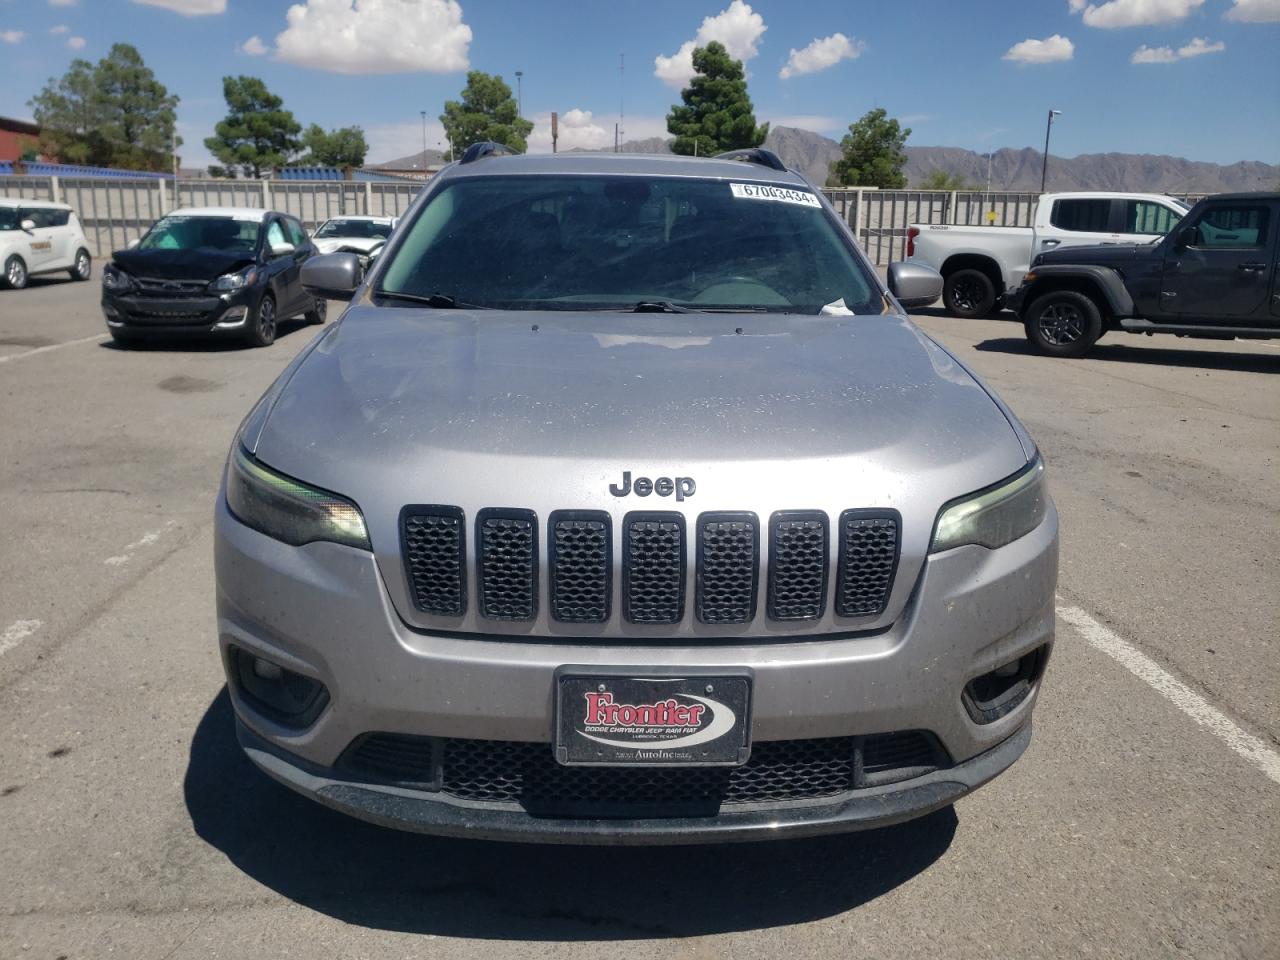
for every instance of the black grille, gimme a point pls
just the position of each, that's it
(173, 289)
(508, 564)
(435, 558)
(499, 771)
(728, 547)
(797, 565)
(654, 566)
(581, 558)
(868, 557)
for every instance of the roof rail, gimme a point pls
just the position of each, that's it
(486, 148)
(766, 158)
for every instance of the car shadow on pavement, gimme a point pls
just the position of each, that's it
(1162, 356)
(212, 343)
(385, 879)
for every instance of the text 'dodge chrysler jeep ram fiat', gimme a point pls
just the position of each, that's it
(625, 505)
(1215, 276)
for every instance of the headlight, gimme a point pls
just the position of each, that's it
(994, 517)
(288, 510)
(229, 282)
(115, 279)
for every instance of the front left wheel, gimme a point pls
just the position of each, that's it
(15, 273)
(317, 313)
(1063, 323)
(82, 269)
(262, 326)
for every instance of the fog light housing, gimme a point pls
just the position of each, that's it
(998, 693)
(232, 317)
(280, 694)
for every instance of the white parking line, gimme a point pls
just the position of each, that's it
(52, 346)
(16, 632)
(1253, 749)
(146, 540)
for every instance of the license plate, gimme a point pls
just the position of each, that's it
(639, 718)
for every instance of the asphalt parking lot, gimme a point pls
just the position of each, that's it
(1144, 821)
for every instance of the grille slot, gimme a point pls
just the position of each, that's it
(581, 559)
(507, 544)
(653, 567)
(728, 561)
(868, 559)
(526, 774)
(435, 558)
(797, 565)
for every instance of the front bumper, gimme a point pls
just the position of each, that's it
(322, 611)
(1015, 299)
(137, 314)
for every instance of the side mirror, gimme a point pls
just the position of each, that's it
(282, 249)
(914, 284)
(28, 225)
(333, 276)
(1185, 237)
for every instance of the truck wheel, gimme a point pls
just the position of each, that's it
(969, 294)
(15, 273)
(1063, 323)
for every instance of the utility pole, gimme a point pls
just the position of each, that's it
(1044, 169)
(424, 140)
(622, 113)
(988, 171)
(555, 129)
(173, 151)
(520, 94)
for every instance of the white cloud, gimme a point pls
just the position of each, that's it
(76, 43)
(12, 36)
(254, 46)
(1254, 11)
(581, 129)
(60, 29)
(737, 26)
(188, 8)
(1134, 13)
(376, 36)
(1197, 47)
(1049, 50)
(806, 121)
(820, 54)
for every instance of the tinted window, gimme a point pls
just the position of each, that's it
(57, 218)
(362, 229)
(1143, 216)
(9, 218)
(37, 215)
(193, 233)
(584, 242)
(1092, 216)
(1235, 226)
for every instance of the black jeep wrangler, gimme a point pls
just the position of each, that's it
(1215, 275)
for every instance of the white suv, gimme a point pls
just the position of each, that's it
(38, 237)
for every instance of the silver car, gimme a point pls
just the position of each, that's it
(624, 504)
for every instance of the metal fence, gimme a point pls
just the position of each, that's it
(114, 212)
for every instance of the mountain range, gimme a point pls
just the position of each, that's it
(1011, 169)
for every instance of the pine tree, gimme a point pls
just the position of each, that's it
(873, 154)
(716, 114)
(487, 111)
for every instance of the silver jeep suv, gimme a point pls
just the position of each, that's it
(625, 505)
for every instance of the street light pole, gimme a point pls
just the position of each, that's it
(1044, 168)
(424, 140)
(520, 94)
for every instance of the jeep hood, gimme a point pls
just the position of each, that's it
(198, 264)
(544, 411)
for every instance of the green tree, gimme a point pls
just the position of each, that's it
(114, 113)
(258, 134)
(487, 111)
(344, 147)
(716, 114)
(941, 180)
(873, 154)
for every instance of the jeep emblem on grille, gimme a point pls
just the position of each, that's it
(682, 487)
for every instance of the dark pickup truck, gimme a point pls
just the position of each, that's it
(1215, 275)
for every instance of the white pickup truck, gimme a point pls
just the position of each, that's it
(981, 264)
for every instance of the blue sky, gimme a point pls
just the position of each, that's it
(979, 75)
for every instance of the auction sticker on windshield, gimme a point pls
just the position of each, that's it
(634, 720)
(759, 191)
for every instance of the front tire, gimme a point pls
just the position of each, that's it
(969, 294)
(262, 328)
(318, 312)
(1063, 323)
(83, 267)
(15, 273)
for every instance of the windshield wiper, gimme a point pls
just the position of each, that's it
(441, 301)
(659, 306)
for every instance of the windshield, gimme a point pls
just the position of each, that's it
(598, 242)
(356, 229)
(8, 218)
(227, 234)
